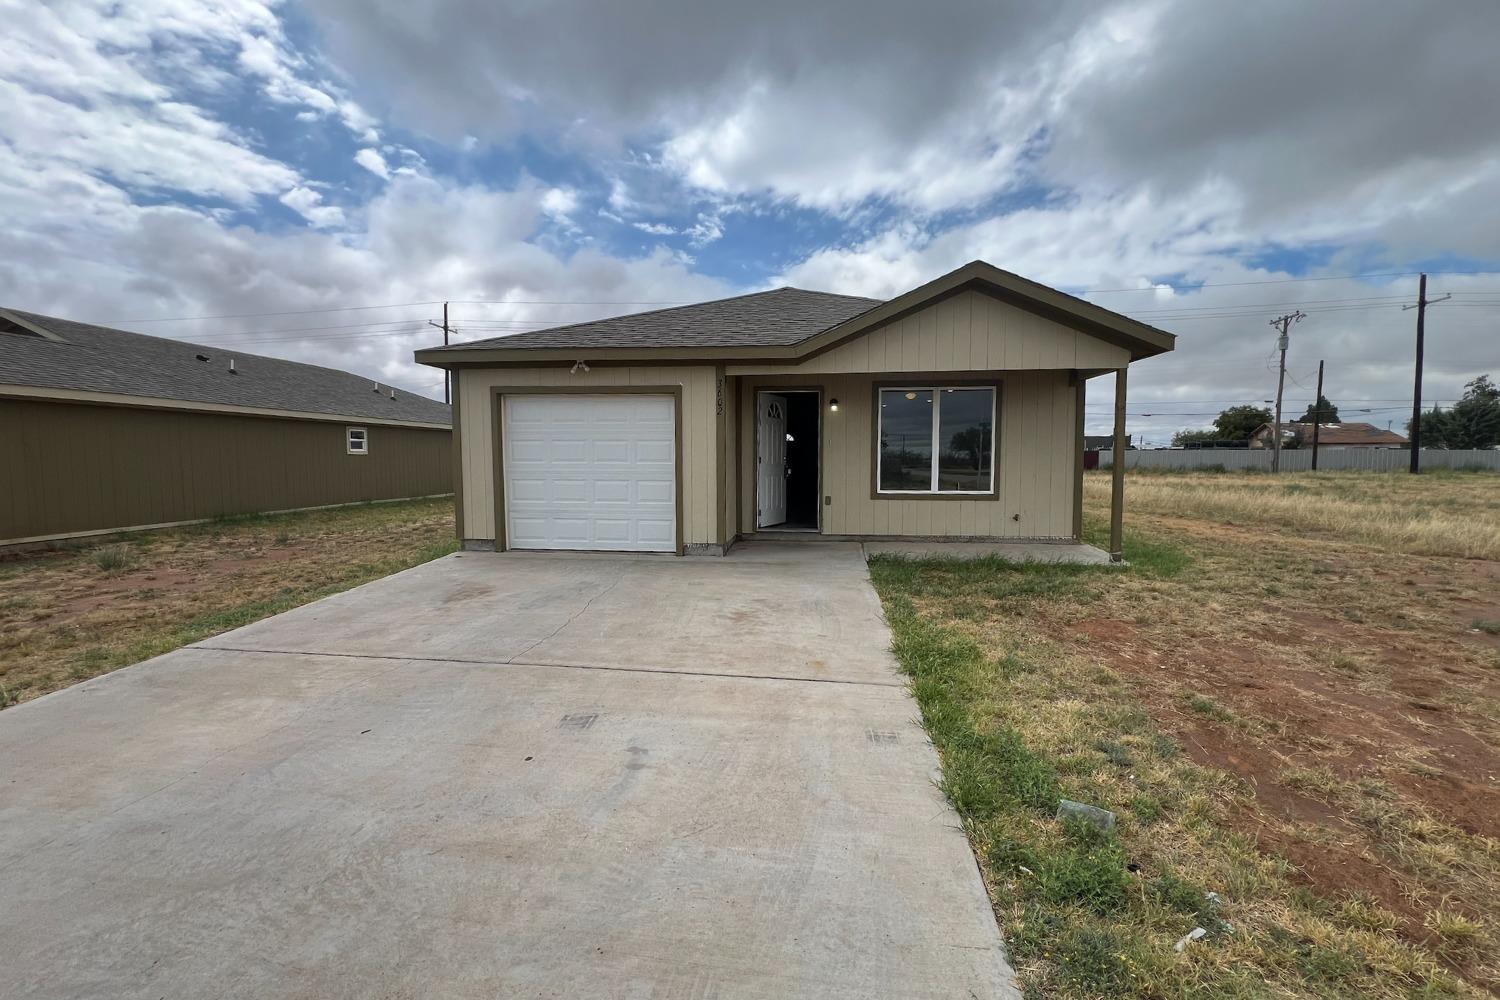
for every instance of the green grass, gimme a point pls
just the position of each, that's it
(115, 557)
(1019, 725)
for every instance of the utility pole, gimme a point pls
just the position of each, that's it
(1416, 404)
(445, 329)
(1282, 323)
(1317, 416)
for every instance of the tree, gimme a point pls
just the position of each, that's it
(1327, 413)
(972, 442)
(1185, 437)
(1238, 422)
(1472, 422)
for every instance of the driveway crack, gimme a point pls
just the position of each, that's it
(571, 619)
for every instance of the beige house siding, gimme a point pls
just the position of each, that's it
(1036, 462)
(732, 445)
(80, 467)
(970, 331)
(700, 435)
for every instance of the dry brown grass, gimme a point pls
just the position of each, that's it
(1442, 514)
(1305, 720)
(69, 615)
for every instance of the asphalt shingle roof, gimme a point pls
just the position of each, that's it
(778, 318)
(100, 359)
(1351, 433)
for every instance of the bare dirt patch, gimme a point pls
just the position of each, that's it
(64, 617)
(1331, 683)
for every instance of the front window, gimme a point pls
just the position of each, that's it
(358, 440)
(937, 439)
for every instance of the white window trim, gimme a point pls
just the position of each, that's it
(364, 446)
(937, 416)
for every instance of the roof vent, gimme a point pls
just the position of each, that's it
(375, 387)
(201, 357)
(393, 393)
(231, 367)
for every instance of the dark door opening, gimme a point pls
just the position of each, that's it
(802, 413)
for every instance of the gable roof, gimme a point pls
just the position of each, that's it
(50, 353)
(778, 318)
(787, 324)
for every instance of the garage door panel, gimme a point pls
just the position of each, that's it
(654, 491)
(526, 489)
(656, 532)
(591, 472)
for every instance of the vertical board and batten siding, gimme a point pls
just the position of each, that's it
(970, 331)
(700, 516)
(732, 445)
(1032, 356)
(74, 468)
(1036, 462)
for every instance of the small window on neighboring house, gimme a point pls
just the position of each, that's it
(359, 441)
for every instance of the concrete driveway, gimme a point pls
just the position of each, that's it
(502, 776)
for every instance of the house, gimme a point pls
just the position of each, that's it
(1342, 435)
(105, 430)
(954, 410)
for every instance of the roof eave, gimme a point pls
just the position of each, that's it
(451, 357)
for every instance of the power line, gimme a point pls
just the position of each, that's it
(1270, 281)
(288, 312)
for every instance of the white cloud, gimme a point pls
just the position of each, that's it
(559, 203)
(1224, 348)
(655, 228)
(420, 239)
(309, 204)
(372, 161)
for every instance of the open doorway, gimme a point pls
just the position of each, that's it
(787, 436)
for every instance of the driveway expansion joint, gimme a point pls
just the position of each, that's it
(894, 683)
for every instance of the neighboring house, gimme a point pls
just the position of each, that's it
(102, 430)
(953, 410)
(1344, 435)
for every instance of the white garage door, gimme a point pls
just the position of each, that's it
(591, 472)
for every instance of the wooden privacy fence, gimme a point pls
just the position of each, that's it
(1300, 459)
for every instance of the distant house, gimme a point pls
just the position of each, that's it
(106, 430)
(1343, 435)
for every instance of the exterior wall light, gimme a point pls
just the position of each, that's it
(833, 405)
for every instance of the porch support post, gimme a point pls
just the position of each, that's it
(1117, 474)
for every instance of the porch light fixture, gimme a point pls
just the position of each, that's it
(833, 405)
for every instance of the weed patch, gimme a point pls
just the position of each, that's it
(1021, 719)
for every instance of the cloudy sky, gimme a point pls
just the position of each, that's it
(315, 177)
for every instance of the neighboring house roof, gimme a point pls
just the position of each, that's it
(787, 323)
(1339, 434)
(59, 354)
(1351, 433)
(1098, 442)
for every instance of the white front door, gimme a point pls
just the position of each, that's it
(770, 475)
(590, 472)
